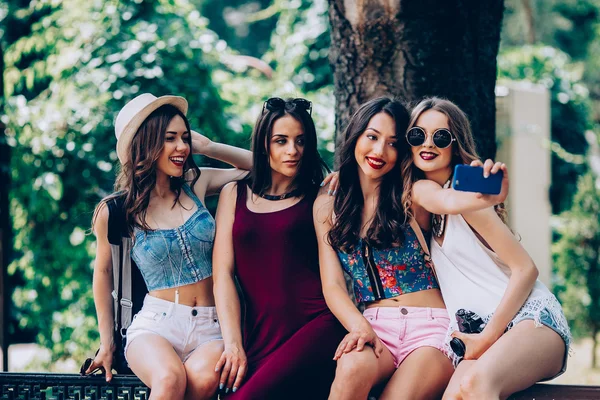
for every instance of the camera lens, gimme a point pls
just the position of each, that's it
(458, 347)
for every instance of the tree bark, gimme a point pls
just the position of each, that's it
(412, 49)
(529, 21)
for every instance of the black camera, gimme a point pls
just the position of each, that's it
(468, 322)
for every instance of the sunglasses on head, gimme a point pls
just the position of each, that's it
(277, 103)
(442, 137)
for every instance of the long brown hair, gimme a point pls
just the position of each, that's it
(311, 168)
(385, 230)
(463, 149)
(137, 176)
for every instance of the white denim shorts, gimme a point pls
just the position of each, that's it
(185, 327)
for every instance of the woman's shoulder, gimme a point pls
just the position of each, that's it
(323, 205)
(231, 186)
(231, 189)
(100, 219)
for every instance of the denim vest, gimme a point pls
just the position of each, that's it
(170, 258)
(385, 273)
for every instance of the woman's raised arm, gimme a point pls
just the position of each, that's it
(212, 180)
(437, 200)
(522, 278)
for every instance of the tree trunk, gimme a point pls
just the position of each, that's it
(5, 228)
(529, 21)
(413, 49)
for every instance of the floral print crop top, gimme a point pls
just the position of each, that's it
(382, 274)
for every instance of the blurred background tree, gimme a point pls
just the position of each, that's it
(70, 65)
(555, 43)
(5, 221)
(415, 49)
(67, 73)
(577, 258)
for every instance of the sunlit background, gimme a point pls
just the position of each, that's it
(70, 65)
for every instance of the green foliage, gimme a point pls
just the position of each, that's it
(577, 257)
(570, 111)
(244, 88)
(65, 81)
(245, 25)
(70, 66)
(569, 25)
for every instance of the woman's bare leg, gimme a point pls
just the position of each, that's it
(453, 390)
(152, 358)
(424, 374)
(358, 371)
(202, 380)
(521, 357)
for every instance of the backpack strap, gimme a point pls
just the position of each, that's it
(114, 238)
(121, 244)
(417, 229)
(126, 301)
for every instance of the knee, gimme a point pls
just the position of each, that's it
(476, 385)
(202, 382)
(170, 381)
(356, 367)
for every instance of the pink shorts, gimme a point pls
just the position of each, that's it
(405, 329)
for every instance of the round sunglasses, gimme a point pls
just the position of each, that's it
(442, 137)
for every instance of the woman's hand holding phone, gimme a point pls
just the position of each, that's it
(491, 168)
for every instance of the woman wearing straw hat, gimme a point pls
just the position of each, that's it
(175, 340)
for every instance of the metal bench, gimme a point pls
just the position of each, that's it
(23, 386)
(70, 387)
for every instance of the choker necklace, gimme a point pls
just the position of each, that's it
(437, 221)
(293, 193)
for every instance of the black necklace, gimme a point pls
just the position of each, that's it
(293, 193)
(437, 221)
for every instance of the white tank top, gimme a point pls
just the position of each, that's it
(474, 278)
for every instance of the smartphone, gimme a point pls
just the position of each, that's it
(470, 179)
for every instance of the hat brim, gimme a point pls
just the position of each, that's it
(131, 128)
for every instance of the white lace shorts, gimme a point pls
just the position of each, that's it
(545, 311)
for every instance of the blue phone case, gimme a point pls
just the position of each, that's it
(470, 179)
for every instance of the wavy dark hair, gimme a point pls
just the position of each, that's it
(137, 176)
(311, 169)
(384, 231)
(463, 150)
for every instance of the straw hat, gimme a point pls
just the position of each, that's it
(133, 114)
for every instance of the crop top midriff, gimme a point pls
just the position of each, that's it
(385, 273)
(169, 258)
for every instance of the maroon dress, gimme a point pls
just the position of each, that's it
(289, 334)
